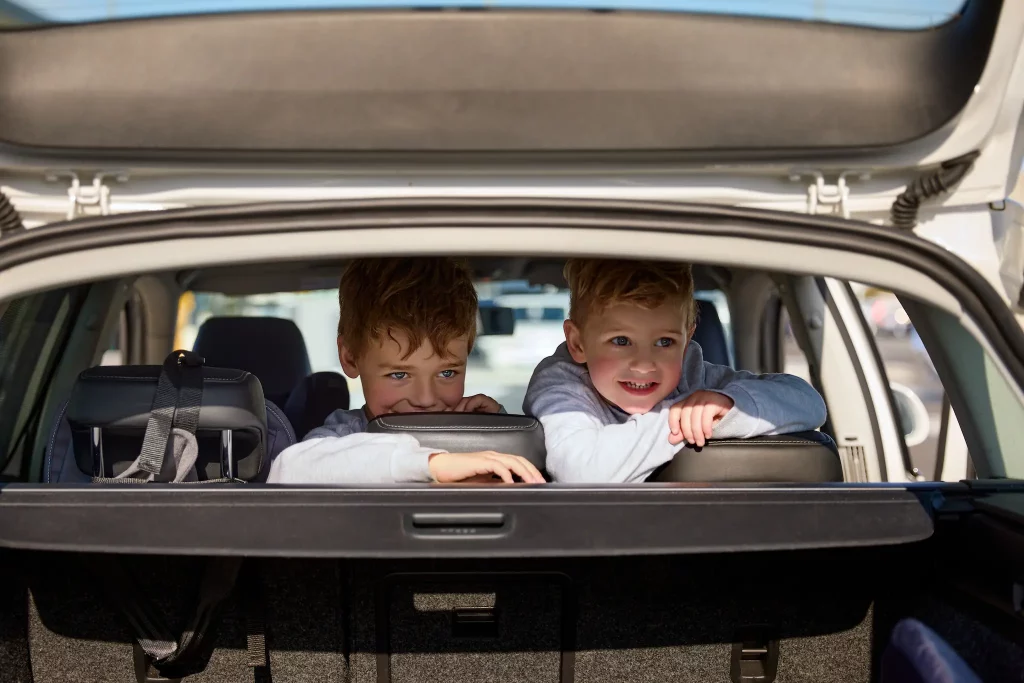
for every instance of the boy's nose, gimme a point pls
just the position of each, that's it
(642, 364)
(424, 397)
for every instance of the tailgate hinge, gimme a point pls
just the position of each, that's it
(827, 198)
(87, 199)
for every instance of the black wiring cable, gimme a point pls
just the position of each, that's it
(905, 208)
(9, 217)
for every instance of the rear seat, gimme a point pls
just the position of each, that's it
(117, 401)
(274, 350)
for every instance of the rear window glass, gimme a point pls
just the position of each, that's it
(501, 365)
(900, 14)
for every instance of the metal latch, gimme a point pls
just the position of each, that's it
(755, 659)
(827, 198)
(82, 198)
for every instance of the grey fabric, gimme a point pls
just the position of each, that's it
(173, 406)
(179, 467)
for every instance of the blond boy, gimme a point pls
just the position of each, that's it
(406, 328)
(629, 386)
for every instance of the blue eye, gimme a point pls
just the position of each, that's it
(448, 374)
(620, 341)
(665, 342)
(398, 375)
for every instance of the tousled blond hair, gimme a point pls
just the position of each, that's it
(595, 284)
(429, 299)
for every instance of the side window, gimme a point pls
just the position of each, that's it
(918, 393)
(33, 332)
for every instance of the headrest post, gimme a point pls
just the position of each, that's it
(96, 451)
(227, 460)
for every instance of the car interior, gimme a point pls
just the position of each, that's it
(97, 431)
(821, 614)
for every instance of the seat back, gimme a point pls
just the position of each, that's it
(270, 348)
(710, 334)
(314, 398)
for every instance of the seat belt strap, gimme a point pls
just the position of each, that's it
(179, 395)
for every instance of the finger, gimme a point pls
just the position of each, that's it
(524, 468)
(499, 469)
(460, 407)
(474, 403)
(696, 418)
(673, 422)
(708, 419)
(686, 423)
(489, 405)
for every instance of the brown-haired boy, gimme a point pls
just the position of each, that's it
(628, 385)
(407, 326)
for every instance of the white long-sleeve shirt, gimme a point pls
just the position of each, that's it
(591, 440)
(341, 452)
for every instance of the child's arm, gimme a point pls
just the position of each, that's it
(763, 404)
(359, 458)
(580, 447)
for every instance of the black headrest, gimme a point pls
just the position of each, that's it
(469, 432)
(270, 348)
(314, 398)
(790, 458)
(710, 335)
(117, 400)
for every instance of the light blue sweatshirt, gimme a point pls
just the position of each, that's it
(590, 440)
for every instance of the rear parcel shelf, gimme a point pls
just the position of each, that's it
(507, 521)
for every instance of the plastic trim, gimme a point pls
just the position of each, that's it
(273, 521)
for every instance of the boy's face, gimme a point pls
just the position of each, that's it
(392, 383)
(634, 355)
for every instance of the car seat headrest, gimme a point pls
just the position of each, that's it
(469, 432)
(803, 457)
(270, 348)
(110, 406)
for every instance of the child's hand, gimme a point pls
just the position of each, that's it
(451, 467)
(477, 404)
(694, 418)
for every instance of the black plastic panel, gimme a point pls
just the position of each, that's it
(462, 520)
(485, 81)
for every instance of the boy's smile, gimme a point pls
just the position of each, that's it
(396, 381)
(634, 354)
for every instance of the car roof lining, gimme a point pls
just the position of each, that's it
(307, 275)
(492, 81)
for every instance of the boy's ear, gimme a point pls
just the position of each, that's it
(348, 361)
(574, 341)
